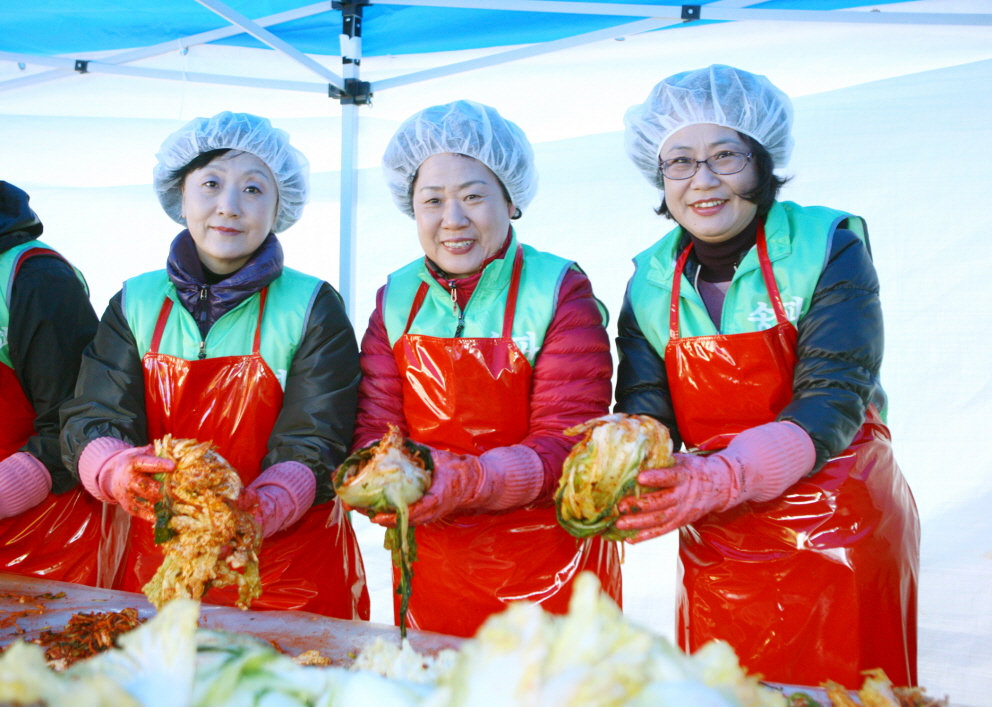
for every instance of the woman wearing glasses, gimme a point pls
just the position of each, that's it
(753, 330)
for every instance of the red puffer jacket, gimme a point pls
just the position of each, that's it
(571, 382)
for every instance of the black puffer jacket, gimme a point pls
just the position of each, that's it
(321, 393)
(839, 355)
(51, 322)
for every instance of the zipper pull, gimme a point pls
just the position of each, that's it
(203, 349)
(454, 297)
(203, 293)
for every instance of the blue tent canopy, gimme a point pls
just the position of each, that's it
(69, 26)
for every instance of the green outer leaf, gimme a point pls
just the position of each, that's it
(163, 514)
(603, 523)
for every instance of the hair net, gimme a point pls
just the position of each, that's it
(468, 128)
(237, 131)
(718, 94)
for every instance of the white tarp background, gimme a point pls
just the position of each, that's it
(892, 123)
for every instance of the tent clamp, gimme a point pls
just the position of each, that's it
(351, 28)
(690, 13)
(82, 66)
(357, 93)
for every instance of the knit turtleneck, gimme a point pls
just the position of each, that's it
(719, 261)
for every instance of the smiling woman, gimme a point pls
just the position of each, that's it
(484, 351)
(230, 207)
(461, 211)
(226, 345)
(753, 330)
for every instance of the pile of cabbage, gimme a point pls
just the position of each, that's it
(592, 657)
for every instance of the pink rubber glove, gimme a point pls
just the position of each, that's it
(24, 483)
(115, 472)
(279, 496)
(498, 480)
(759, 465)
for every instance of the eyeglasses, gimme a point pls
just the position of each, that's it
(722, 163)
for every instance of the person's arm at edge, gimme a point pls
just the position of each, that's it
(51, 323)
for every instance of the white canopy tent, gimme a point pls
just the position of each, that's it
(880, 107)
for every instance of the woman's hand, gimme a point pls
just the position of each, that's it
(687, 491)
(498, 480)
(115, 472)
(760, 464)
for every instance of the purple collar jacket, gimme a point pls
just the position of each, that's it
(206, 298)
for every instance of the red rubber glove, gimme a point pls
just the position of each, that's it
(760, 464)
(498, 480)
(115, 472)
(24, 483)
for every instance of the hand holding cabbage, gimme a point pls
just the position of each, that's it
(602, 470)
(389, 475)
(208, 540)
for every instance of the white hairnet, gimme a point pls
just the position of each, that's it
(467, 128)
(236, 131)
(723, 95)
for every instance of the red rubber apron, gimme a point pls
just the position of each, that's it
(820, 583)
(467, 396)
(59, 538)
(234, 401)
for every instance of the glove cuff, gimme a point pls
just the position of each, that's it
(285, 492)
(24, 483)
(92, 462)
(514, 477)
(770, 458)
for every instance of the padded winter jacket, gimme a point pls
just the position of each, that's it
(839, 352)
(571, 382)
(51, 322)
(318, 410)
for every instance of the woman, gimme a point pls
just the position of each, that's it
(228, 345)
(485, 350)
(49, 526)
(754, 327)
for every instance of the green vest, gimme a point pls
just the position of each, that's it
(798, 241)
(8, 269)
(284, 321)
(537, 299)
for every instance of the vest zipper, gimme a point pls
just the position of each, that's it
(454, 308)
(204, 291)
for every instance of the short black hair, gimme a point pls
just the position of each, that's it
(506, 195)
(769, 183)
(201, 160)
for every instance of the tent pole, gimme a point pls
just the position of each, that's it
(349, 206)
(356, 93)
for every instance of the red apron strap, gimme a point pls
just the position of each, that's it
(511, 296)
(673, 320)
(418, 302)
(256, 347)
(766, 273)
(31, 252)
(163, 317)
(769, 276)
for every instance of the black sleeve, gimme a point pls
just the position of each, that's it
(321, 398)
(110, 391)
(51, 322)
(642, 381)
(839, 350)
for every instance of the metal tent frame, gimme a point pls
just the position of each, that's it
(354, 93)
